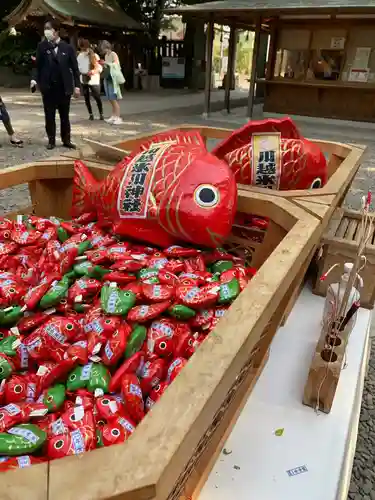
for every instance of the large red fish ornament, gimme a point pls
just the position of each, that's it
(169, 189)
(273, 154)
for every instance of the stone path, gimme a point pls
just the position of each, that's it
(142, 114)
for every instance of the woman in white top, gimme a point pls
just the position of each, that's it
(112, 79)
(90, 69)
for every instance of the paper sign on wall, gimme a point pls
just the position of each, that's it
(361, 59)
(337, 42)
(359, 75)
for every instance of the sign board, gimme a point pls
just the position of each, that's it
(359, 75)
(361, 59)
(173, 68)
(338, 42)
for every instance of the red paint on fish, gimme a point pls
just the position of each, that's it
(143, 313)
(156, 191)
(284, 159)
(115, 345)
(132, 365)
(132, 393)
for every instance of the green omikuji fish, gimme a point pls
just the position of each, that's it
(115, 301)
(22, 439)
(91, 376)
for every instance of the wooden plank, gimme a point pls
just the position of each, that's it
(173, 450)
(327, 199)
(106, 151)
(29, 483)
(320, 211)
(212, 451)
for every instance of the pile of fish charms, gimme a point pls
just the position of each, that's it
(170, 189)
(94, 330)
(273, 154)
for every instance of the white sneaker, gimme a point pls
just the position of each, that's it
(110, 119)
(117, 121)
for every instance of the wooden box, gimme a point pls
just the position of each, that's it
(173, 449)
(343, 163)
(339, 244)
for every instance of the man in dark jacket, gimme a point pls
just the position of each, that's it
(57, 76)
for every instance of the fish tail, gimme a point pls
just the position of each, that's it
(84, 187)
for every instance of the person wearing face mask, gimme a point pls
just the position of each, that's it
(57, 76)
(90, 69)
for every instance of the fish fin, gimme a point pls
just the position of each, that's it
(243, 135)
(176, 136)
(84, 187)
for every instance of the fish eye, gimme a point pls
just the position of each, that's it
(162, 345)
(59, 444)
(105, 402)
(115, 432)
(206, 196)
(316, 183)
(18, 389)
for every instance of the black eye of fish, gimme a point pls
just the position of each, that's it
(59, 444)
(206, 195)
(316, 183)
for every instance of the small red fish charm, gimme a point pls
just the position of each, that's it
(157, 292)
(132, 393)
(141, 314)
(134, 365)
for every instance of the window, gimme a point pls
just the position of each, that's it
(291, 64)
(325, 64)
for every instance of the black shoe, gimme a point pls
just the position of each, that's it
(91, 118)
(69, 145)
(102, 117)
(17, 143)
(51, 145)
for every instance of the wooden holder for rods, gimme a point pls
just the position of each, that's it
(325, 369)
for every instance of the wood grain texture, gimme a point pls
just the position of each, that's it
(30, 483)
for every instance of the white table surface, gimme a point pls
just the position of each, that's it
(256, 468)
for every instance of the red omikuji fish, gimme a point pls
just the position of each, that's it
(169, 189)
(273, 154)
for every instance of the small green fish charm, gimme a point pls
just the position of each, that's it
(149, 273)
(6, 345)
(91, 376)
(57, 292)
(54, 397)
(135, 340)
(6, 367)
(99, 378)
(10, 315)
(229, 291)
(22, 439)
(62, 234)
(180, 311)
(115, 301)
(222, 265)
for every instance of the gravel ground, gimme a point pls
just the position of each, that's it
(28, 121)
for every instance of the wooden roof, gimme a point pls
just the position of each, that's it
(247, 10)
(96, 12)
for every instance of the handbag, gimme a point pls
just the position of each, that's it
(85, 79)
(106, 73)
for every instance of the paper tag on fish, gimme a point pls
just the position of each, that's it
(136, 184)
(266, 160)
(79, 413)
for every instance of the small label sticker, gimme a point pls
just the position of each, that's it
(279, 432)
(296, 471)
